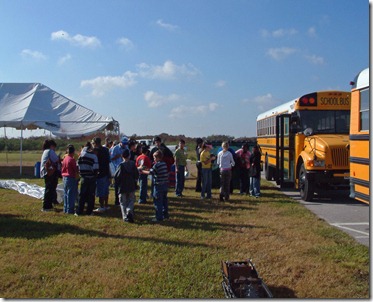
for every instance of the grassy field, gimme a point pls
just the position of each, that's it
(53, 255)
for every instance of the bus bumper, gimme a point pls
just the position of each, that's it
(333, 178)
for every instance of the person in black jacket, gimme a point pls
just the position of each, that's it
(254, 172)
(126, 177)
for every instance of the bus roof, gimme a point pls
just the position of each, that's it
(284, 108)
(361, 80)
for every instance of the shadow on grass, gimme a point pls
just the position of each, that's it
(11, 226)
(282, 292)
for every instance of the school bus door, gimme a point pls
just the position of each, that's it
(284, 152)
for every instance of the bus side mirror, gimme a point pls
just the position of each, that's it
(308, 131)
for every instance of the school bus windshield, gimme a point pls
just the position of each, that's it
(325, 121)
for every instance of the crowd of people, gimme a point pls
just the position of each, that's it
(126, 166)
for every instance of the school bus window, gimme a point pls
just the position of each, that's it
(324, 121)
(364, 110)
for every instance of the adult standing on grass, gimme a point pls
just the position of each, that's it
(143, 161)
(160, 176)
(198, 150)
(126, 178)
(103, 176)
(88, 169)
(180, 168)
(50, 179)
(116, 159)
(206, 159)
(225, 162)
(69, 172)
(255, 172)
(243, 159)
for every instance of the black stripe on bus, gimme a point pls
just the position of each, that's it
(359, 160)
(360, 182)
(362, 196)
(361, 137)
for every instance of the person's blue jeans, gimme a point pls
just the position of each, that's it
(160, 201)
(70, 193)
(143, 183)
(255, 186)
(180, 180)
(206, 183)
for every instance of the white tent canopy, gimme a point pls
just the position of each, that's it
(34, 105)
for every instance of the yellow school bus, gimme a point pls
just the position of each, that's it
(305, 142)
(359, 137)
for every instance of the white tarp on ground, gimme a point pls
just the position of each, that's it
(34, 105)
(31, 190)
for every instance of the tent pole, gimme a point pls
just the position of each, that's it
(20, 167)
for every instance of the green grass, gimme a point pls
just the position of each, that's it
(53, 255)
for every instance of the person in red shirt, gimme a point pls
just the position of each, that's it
(69, 171)
(143, 160)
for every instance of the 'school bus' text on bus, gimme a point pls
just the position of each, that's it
(359, 138)
(305, 142)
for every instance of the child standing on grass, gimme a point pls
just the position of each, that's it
(126, 177)
(160, 175)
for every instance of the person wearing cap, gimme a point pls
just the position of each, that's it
(103, 182)
(69, 171)
(206, 159)
(126, 177)
(116, 159)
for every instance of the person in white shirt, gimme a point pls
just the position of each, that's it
(225, 162)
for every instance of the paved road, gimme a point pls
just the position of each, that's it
(339, 210)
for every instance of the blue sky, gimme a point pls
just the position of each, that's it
(197, 67)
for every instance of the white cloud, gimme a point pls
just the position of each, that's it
(167, 26)
(183, 111)
(155, 100)
(315, 59)
(261, 102)
(278, 33)
(125, 43)
(220, 83)
(280, 53)
(64, 59)
(168, 70)
(312, 32)
(79, 40)
(102, 84)
(37, 55)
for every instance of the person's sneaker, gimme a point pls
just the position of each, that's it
(155, 220)
(107, 208)
(99, 210)
(76, 214)
(47, 210)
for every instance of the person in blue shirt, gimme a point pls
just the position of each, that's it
(116, 159)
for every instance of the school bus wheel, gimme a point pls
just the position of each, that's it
(306, 186)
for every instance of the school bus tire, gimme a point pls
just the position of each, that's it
(306, 187)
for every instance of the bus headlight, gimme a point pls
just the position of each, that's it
(316, 163)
